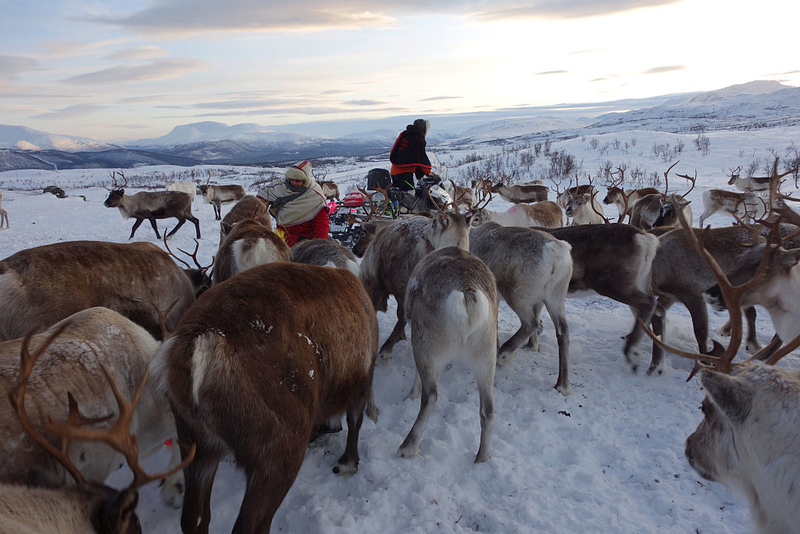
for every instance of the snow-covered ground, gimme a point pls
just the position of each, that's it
(608, 458)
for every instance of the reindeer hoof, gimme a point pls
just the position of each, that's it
(505, 357)
(171, 492)
(407, 452)
(345, 469)
(752, 347)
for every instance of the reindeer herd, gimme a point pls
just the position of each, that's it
(250, 364)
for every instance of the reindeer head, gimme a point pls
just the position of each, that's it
(111, 511)
(117, 190)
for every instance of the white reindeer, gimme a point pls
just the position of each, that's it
(545, 214)
(533, 270)
(748, 441)
(746, 206)
(451, 305)
(3, 213)
(186, 186)
(89, 336)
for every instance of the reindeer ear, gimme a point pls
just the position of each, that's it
(730, 394)
(443, 219)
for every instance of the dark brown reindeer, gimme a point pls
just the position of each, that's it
(151, 206)
(254, 366)
(42, 285)
(613, 260)
(396, 250)
(91, 507)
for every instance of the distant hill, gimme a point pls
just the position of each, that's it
(750, 106)
(22, 138)
(11, 159)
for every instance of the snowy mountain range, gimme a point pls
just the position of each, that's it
(751, 106)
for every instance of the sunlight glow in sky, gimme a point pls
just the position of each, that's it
(114, 70)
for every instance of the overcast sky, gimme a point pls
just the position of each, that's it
(116, 70)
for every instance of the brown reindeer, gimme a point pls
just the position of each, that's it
(613, 260)
(151, 206)
(217, 195)
(248, 244)
(125, 349)
(626, 199)
(42, 285)
(330, 189)
(325, 253)
(249, 207)
(256, 364)
(679, 274)
(91, 507)
(396, 250)
(518, 193)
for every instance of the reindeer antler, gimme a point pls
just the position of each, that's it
(373, 207)
(691, 179)
(732, 295)
(193, 255)
(666, 178)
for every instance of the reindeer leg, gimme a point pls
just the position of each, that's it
(698, 311)
(557, 314)
(659, 322)
(177, 226)
(527, 328)
(348, 462)
(752, 345)
(429, 369)
(483, 368)
(533, 342)
(136, 226)
(155, 227)
(643, 306)
(196, 225)
(199, 478)
(399, 333)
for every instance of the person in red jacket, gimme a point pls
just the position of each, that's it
(299, 205)
(408, 155)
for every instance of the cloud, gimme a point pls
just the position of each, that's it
(138, 53)
(548, 72)
(155, 70)
(565, 9)
(299, 110)
(365, 103)
(200, 16)
(11, 66)
(439, 98)
(666, 68)
(71, 112)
